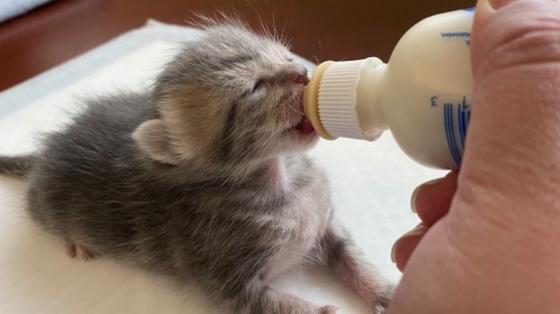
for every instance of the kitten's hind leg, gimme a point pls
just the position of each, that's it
(349, 266)
(263, 299)
(79, 251)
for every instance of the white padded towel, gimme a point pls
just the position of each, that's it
(12, 8)
(371, 184)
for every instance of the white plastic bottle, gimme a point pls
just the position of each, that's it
(422, 95)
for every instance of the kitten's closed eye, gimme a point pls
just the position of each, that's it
(258, 85)
(296, 74)
(253, 89)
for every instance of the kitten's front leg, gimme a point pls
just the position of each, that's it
(349, 266)
(79, 251)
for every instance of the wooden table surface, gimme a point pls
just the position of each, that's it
(317, 29)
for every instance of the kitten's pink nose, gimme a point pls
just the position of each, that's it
(297, 73)
(302, 79)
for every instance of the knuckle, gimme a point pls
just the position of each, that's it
(524, 38)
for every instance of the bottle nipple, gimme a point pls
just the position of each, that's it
(331, 99)
(311, 100)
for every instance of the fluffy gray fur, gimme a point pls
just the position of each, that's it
(202, 177)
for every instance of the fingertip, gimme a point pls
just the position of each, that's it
(434, 197)
(485, 6)
(419, 190)
(493, 5)
(405, 245)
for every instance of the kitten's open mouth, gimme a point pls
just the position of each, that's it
(304, 127)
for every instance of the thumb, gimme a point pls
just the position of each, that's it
(513, 146)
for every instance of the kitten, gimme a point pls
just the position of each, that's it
(203, 176)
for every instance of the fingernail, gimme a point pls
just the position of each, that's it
(496, 4)
(413, 199)
(485, 5)
(393, 253)
(418, 230)
(418, 188)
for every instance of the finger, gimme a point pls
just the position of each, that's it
(431, 200)
(405, 245)
(498, 4)
(512, 144)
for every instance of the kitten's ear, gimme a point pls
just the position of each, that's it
(153, 139)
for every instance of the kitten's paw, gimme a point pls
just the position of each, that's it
(381, 301)
(79, 251)
(327, 309)
(379, 309)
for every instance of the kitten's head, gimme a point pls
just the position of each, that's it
(230, 96)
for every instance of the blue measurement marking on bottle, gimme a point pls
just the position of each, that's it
(464, 116)
(461, 35)
(450, 133)
(466, 36)
(456, 126)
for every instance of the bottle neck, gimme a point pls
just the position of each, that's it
(311, 101)
(344, 99)
(369, 102)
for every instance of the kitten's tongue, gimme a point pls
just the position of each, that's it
(304, 126)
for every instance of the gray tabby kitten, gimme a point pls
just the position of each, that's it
(203, 176)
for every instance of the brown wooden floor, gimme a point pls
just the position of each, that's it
(318, 29)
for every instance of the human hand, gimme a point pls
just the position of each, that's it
(431, 201)
(492, 246)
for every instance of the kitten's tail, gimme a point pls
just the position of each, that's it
(19, 166)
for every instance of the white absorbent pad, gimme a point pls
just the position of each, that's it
(371, 184)
(12, 8)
